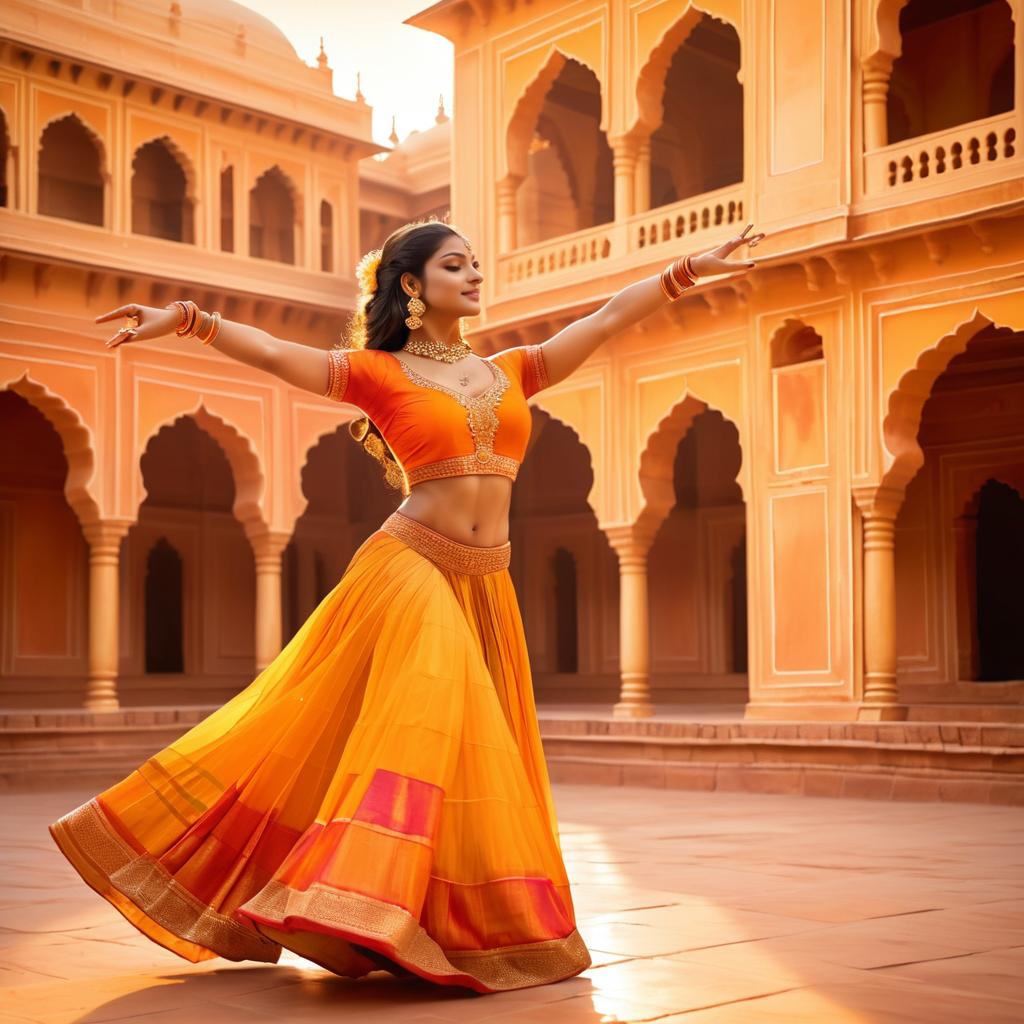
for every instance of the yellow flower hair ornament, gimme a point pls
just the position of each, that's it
(366, 272)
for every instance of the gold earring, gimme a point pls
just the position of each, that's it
(416, 306)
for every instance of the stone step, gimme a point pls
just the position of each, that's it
(912, 761)
(932, 735)
(86, 766)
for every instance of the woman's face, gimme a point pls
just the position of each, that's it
(452, 279)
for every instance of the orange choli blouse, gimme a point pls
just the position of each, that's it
(434, 430)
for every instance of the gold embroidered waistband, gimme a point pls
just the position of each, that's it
(444, 551)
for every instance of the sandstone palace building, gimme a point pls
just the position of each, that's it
(798, 492)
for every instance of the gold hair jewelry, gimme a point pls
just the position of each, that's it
(416, 306)
(366, 271)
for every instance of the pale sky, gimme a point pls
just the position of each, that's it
(404, 69)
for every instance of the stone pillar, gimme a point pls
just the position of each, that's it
(267, 548)
(631, 543)
(642, 177)
(104, 538)
(624, 167)
(876, 74)
(878, 509)
(508, 187)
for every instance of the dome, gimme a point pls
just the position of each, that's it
(223, 17)
(226, 14)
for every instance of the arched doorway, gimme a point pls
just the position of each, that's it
(565, 572)
(959, 532)
(569, 178)
(697, 572)
(347, 499)
(44, 566)
(186, 530)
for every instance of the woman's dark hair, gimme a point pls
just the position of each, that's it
(379, 320)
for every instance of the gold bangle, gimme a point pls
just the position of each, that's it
(187, 329)
(688, 267)
(214, 328)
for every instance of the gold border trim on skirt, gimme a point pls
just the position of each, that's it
(445, 551)
(109, 865)
(396, 933)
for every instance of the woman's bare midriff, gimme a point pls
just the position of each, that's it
(470, 509)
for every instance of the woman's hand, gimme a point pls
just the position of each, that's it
(715, 262)
(146, 322)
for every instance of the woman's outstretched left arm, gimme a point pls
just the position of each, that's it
(565, 351)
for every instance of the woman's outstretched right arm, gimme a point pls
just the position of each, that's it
(300, 365)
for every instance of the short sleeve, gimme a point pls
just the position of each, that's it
(535, 371)
(527, 361)
(352, 376)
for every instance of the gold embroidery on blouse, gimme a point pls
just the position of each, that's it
(337, 374)
(460, 465)
(538, 368)
(481, 410)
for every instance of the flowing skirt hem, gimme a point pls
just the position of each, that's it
(165, 912)
(392, 931)
(148, 897)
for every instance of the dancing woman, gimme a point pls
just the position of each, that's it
(377, 797)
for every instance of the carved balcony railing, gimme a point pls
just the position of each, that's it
(706, 214)
(532, 264)
(946, 157)
(602, 248)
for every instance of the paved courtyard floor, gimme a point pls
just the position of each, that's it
(698, 908)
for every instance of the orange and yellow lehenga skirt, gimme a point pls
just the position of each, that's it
(376, 798)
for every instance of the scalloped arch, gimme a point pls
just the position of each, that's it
(242, 456)
(528, 105)
(537, 407)
(289, 183)
(786, 332)
(885, 39)
(179, 154)
(93, 134)
(657, 457)
(650, 82)
(905, 404)
(76, 438)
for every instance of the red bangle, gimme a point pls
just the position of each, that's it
(666, 288)
(669, 285)
(680, 276)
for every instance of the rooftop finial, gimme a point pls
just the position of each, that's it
(441, 115)
(393, 137)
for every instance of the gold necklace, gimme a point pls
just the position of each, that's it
(441, 351)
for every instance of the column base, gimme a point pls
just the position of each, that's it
(881, 712)
(850, 711)
(101, 695)
(632, 709)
